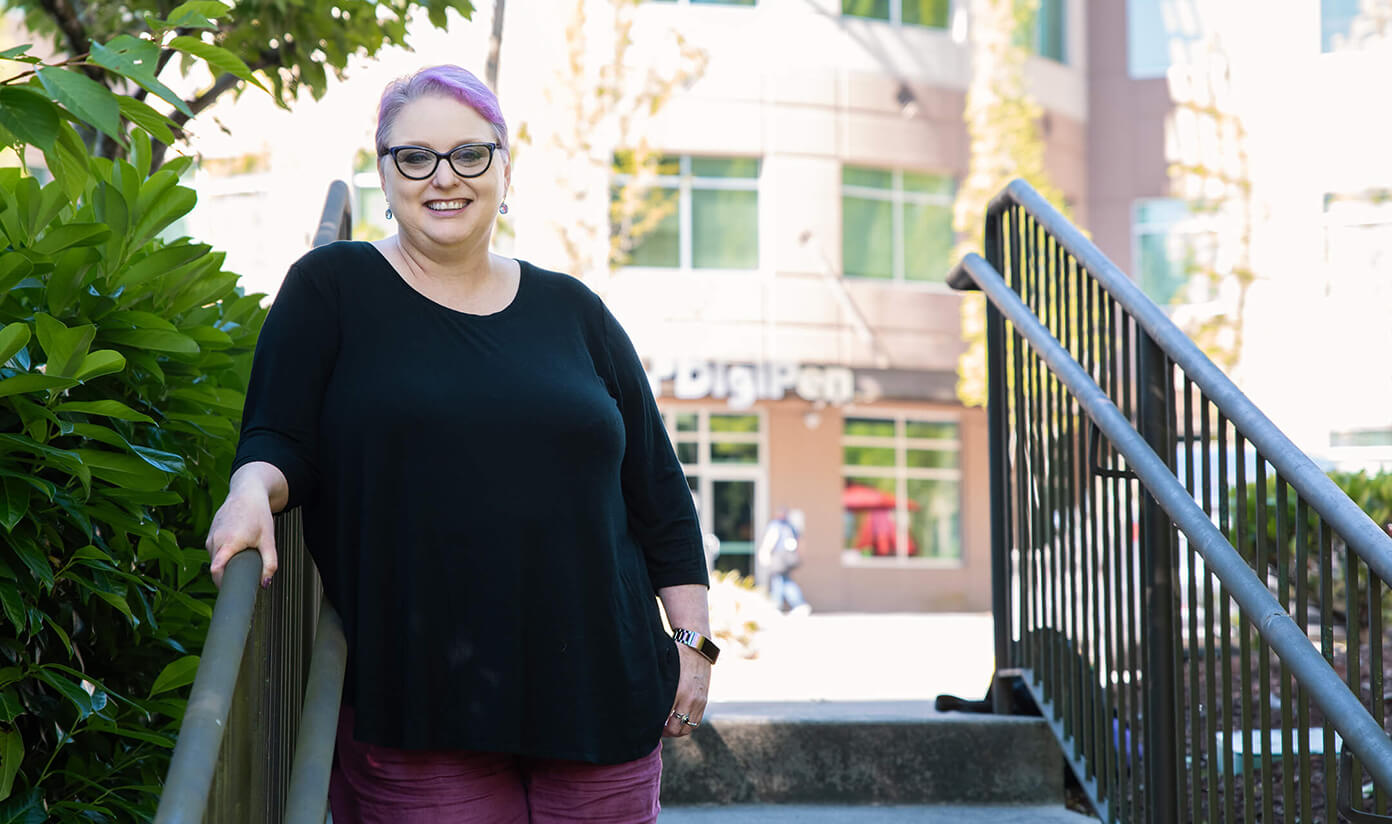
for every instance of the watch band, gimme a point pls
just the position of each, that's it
(698, 642)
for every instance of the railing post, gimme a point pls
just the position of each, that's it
(1000, 474)
(1162, 786)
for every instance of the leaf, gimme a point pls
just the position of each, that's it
(142, 153)
(69, 690)
(72, 270)
(168, 208)
(123, 470)
(178, 673)
(141, 114)
(10, 706)
(14, 267)
(209, 338)
(12, 339)
(29, 116)
(68, 162)
(15, 51)
(64, 459)
(33, 557)
(24, 809)
(62, 237)
(89, 100)
(194, 12)
(13, 604)
(108, 408)
(66, 347)
(11, 755)
(159, 262)
(157, 340)
(140, 320)
(219, 59)
(14, 502)
(44, 487)
(137, 60)
(33, 382)
(98, 363)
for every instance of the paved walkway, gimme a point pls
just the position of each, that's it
(861, 657)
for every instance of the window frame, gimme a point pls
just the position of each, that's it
(1369, 209)
(902, 474)
(898, 198)
(684, 182)
(1195, 226)
(707, 472)
(896, 16)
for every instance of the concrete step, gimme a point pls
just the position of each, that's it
(861, 752)
(917, 814)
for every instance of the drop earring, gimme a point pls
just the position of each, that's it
(502, 208)
(388, 213)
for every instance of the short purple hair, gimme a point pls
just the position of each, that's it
(445, 81)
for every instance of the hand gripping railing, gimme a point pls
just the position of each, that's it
(249, 776)
(1117, 546)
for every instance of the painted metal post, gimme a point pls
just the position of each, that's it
(1161, 732)
(1000, 474)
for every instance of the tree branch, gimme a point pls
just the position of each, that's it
(66, 17)
(205, 98)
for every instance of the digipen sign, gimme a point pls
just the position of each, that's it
(743, 384)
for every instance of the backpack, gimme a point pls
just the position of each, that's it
(785, 553)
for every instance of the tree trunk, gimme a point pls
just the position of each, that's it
(495, 45)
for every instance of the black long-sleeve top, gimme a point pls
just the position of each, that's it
(491, 500)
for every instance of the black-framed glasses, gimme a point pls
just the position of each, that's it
(419, 163)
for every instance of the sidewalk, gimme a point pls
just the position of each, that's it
(861, 657)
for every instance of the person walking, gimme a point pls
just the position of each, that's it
(778, 555)
(489, 495)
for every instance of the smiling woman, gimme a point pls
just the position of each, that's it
(491, 514)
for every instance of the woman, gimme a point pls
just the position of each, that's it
(489, 495)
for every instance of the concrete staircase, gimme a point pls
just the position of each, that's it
(862, 762)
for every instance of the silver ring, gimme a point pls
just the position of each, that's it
(683, 717)
(690, 723)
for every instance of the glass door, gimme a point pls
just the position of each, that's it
(732, 520)
(722, 454)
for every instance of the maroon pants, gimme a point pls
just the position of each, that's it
(382, 785)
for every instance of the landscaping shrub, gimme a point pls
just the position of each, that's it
(123, 361)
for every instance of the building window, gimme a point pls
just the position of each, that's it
(933, 13)
(1352, 24)
(1358, 233)
(710, 215)
(1044, 35)
(1169, 243)
(902, 488)
(1158, 34)
(721, 454)
(896, 225)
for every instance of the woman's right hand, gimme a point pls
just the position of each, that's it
(244, 520)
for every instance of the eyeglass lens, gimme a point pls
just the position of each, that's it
(468, 161)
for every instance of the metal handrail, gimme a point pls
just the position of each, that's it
(314, 747)
(189, 783)
(1359, 531)
(190, 777)
(1361, 733)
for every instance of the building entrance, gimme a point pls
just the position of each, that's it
(724, 456)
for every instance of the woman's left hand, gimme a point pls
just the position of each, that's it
(692, 687)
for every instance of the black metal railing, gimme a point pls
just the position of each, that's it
(270, 678)
(1187, 597)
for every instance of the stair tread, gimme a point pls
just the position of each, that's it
(871, 814)
(848, 712)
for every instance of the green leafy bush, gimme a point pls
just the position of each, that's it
(123, 361)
